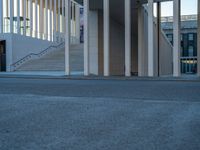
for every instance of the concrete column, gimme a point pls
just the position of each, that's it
(77, 23)
(54, 19)
(1, 16)
(127, 37)
(31, 18)
(72, 21)
(50, 17)
(36, 19)
(150, 39)
(176, 32)
(24, 17)
(106, 18)
(86, 37)
(46, 23)
(41, 23)
(141, 62)
(67, 35)
(198, 45)
(18, 16)
(72, 17)
(11, 16)
(59, 19)
(63, 17)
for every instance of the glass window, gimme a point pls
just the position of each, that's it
(170, 37)
(191, 37)
(181, 37)
(191, 51)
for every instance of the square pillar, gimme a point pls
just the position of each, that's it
(31, 17)
(41, 23)
(59, 20)
(106, 35)
(77, 18)
(67, 35)
(24, 17)
(50, 20)
(198, 41)
(72, 22)
(11, 16)
(63, 17)
(54, 20)
(1, 16)
(127, 37)
(141, 50)
(86, 37)
(18, 17)
(36, 19)
(176, 36)
(150, 39)
(46, 23)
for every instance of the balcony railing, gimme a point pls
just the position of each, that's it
(188, 65)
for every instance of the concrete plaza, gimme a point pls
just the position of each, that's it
(60, 114)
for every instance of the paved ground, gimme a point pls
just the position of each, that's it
(49, 114)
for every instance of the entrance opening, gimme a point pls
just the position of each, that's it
(2, 56)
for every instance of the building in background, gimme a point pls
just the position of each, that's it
(188, 41)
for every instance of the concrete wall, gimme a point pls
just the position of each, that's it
(18, 46)
(117, 47)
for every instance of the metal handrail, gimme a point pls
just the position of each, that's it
(188, 57)
(38, 55)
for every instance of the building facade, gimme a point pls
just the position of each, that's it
(121, 37)
(188, 41)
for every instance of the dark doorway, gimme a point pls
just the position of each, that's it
(2, 56)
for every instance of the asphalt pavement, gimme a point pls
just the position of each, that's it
(63, 114)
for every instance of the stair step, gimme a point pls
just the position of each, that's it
(55, 61)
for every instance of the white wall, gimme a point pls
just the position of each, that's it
(117, 48)
(165, 50)
(166, 56)
(18, 46)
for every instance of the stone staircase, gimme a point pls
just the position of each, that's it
(55, 61)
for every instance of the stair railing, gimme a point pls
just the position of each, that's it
(32, 56)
